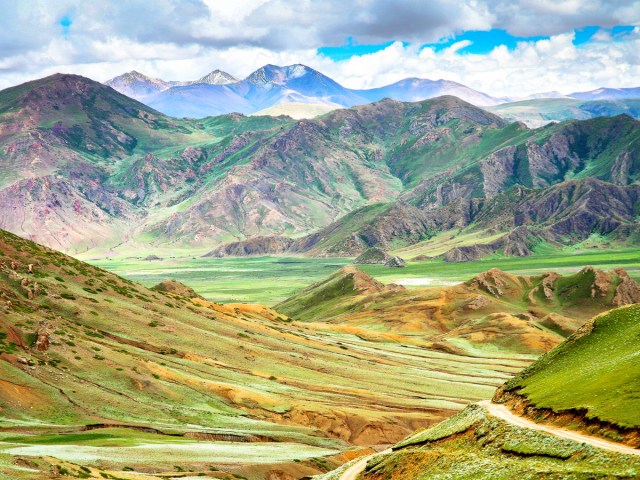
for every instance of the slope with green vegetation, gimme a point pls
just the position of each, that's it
(103, 170)
(589, 383)
(179, 375)
(591, 380)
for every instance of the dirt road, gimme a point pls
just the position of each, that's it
(354, 470)
(502, 412)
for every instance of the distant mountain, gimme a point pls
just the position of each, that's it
(297, 110)
(139, 86)
(416, 89)
(198, 101)
(217, 77)
(607, 94)
(539, 112)
(266, 87)
(273, 85)
(553, 94)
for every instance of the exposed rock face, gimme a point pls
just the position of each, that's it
(372, 256)
(468, 253)
(627, 292)
(400, 222)
(561, 214)
(519, 242)
(43, 335)
(498, 170)
(495, 281)
(477, 302)
(252, 246)
(175, 287)
(395, 262)
(548, 284)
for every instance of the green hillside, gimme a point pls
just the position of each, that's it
(595, 373)
(188, 380)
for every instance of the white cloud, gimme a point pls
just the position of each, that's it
(184, 39)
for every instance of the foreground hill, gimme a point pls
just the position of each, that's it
(588, 383)
(170, 367)
(568, 384)
(86, 167)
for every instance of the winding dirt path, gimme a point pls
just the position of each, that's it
(502, 412)
(354, 470)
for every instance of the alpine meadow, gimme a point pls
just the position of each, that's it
(320, 240)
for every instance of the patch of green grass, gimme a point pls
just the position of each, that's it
(598, 372)
(266, 280)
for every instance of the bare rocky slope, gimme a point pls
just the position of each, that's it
(84, 166)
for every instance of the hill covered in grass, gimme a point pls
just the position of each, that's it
(82, 349)
(592, 379)
(588, 383)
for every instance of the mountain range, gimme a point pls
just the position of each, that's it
(136, 85)
(87, 167)
(272, 85)
(220, 93)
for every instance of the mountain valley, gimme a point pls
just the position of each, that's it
(281, 278)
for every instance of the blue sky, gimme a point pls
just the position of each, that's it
(481, 41)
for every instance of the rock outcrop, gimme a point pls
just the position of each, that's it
(372, 256)
(175, 287)
(43, 335)
(252, 246)
(395, 262)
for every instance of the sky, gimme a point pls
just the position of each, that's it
(501, 47)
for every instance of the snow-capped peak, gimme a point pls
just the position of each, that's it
(217, 77)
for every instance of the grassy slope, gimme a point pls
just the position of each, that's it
(159, 361)
(596, 371)
(472, 445)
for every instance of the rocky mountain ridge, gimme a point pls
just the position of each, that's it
(100, 167)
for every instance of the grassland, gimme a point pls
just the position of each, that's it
(269, 280)
(265, 280)
(595, 372)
